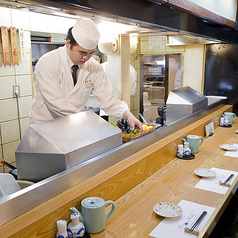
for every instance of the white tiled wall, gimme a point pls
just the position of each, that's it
(8, 109)
(14, 113)
(6, 86)
(10, 131)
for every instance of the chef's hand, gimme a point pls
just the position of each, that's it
(132, 120)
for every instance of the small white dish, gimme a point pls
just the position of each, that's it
(166, 209)
(206, 173)
(228, 147)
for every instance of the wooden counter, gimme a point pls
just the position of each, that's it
(134, 216)
(136, 184)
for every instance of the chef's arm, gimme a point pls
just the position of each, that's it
(132, 120)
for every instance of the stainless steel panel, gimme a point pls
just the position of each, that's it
(183, 102)
(51, 147)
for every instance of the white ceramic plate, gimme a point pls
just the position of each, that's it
(228, 147)
(202, 172)
(166, 209)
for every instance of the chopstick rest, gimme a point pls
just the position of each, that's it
(193, 230)
(225, 183)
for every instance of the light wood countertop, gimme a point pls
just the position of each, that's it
(134, 216)
(139, 182)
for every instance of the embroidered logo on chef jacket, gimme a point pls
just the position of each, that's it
(88, 84)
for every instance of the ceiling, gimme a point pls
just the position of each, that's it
(175, 37)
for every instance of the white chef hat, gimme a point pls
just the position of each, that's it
(86, 33)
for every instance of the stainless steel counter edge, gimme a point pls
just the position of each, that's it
(30, 197)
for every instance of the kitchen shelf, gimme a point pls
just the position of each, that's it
(47, 43)
(154, 75)
(154, 79)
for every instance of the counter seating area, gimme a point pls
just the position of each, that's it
(137, 183)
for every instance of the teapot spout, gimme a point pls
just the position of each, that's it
(73, 209)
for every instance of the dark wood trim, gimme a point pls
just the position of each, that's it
(198, 11)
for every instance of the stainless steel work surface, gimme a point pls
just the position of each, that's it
(50, 147)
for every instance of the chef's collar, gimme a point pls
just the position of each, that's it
(70, 62)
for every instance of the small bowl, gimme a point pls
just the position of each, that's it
(24, 183)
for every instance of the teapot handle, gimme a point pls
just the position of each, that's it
(73, 209)
(112, 210)
(184, 140)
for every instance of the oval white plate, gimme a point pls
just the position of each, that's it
(228, 147)
(166, 209)
(202, 172)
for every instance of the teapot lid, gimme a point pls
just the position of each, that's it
(92, 202)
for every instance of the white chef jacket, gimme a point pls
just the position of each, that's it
(133, 77)
(56, 95)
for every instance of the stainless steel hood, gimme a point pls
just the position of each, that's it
(146, 14)
(187, 39)
(51, 147)
(183, 102)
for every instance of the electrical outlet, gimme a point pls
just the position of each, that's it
(16, 90)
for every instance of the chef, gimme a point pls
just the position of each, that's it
(66, 77)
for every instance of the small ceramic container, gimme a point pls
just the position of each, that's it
(180, 151)
(186, 149)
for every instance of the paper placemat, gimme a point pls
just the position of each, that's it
(232, 153)
(174, 227)
(212, 184)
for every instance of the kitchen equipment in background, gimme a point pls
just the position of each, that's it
(13, 170)
(144, 120)
(154, 78)
(96, 109)
(162, 116)
(183, 102)
(50, 147)
(43, 43)
(146, 107)
(154, 82)
(24, 183)
(8, 185)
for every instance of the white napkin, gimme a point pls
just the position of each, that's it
(212, 184)
(174, 227)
